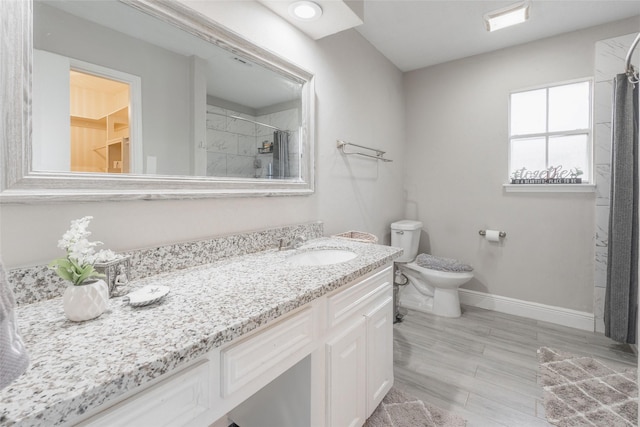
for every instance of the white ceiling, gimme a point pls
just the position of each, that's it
(337, 15)
(419, 33)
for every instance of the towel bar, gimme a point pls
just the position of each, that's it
(379, 154)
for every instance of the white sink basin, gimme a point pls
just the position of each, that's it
(321, 257)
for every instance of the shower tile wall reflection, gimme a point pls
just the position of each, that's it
(233, 145)
(609, 61)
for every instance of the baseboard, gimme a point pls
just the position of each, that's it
(532, 310)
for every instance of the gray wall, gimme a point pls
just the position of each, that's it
(456, 163)
(351, 194)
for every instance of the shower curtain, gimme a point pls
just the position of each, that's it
(280, 154)
(621, 299)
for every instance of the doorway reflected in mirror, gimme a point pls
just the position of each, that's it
(99, 110)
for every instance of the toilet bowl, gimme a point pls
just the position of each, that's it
(433, 282)
(437, 291)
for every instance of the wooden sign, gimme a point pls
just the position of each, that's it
(551, 175)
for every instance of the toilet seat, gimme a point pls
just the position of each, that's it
(432, 273)
(442, 264)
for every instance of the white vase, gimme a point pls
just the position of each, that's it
(85, 302)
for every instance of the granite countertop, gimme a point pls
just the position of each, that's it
(76, 367)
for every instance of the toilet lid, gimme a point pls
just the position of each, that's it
(442, 264)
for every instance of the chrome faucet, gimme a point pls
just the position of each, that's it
(293, 244)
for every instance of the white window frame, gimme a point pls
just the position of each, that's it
(589, 185)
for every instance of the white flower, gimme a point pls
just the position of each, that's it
(82, 251)
(77, 266)
(77, 233)
(106, 255)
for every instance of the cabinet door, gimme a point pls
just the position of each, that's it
(379, 324)
(346, 382)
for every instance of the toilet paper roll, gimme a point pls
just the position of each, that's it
(492, 235)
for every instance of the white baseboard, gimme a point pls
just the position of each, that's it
(532, 310)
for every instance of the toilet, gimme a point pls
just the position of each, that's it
(433, 282)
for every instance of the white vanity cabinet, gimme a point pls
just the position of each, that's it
(379, 352)
(347, 377)
(359, 350)
(178, 400)
(329, 362)
(261, 357)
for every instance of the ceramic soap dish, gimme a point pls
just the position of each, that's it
(147, 295)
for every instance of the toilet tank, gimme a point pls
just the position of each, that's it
(405, 234)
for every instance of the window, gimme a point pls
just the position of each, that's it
(550, 134)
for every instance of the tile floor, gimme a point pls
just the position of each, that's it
(483, 366)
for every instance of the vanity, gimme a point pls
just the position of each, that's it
(259, 339)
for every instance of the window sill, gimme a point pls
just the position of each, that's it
(549, 188)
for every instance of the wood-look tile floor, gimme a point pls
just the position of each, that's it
(483, 366)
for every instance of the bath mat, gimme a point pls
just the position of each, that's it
(583, 391)
(399, 409)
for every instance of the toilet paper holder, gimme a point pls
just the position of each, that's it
(484, 233)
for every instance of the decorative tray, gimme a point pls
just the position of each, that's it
(147, 295)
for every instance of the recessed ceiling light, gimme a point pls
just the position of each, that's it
(305, 10)
(508, 16)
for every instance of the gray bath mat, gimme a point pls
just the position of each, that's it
(399, 409)
(582, 391)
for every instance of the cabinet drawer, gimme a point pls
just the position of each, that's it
(268, 353)
(354, 300)
(175, 401)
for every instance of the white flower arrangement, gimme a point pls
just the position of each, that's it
(77, 266)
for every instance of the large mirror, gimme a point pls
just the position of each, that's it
(148, 99)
